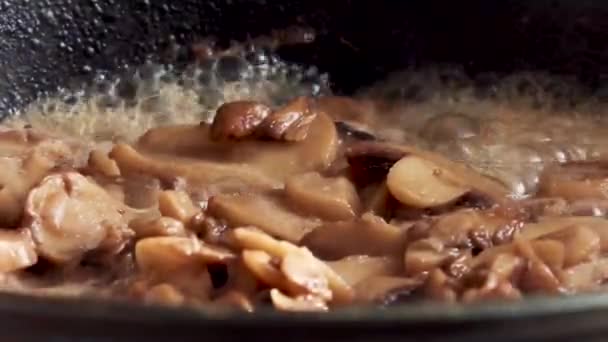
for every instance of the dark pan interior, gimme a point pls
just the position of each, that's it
(61, 43)
(46, 44)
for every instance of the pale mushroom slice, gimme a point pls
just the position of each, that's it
(305, 303)
(357, 268)
(194, 171)
(299, 270)
(575, 180)
(368, 235)
(328, 198)
(167, 254)
(248, 238)
(421, 183)
(17, 250)
(160, 226)
(370, 162)
(69, 215)
(100, 162)
(265, 212)
(177, 205)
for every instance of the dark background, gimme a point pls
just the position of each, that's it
(46, 44)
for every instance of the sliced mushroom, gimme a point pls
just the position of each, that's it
(299, 270)
(328, 198)
(264, 212)
(251, 239)
(370, 162)
(177, 205)
(306, 303)
(576, 180)
(166, 254)
(357, 268)
(262, 266)
(422, 184)
(237, 120)
(197, 172)
(17, 250)
(290, 123)
(161, 226)
(369, 235)
(581, 244)
(425, 255)
(100, 162)
(70, 215)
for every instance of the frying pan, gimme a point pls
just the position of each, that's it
(48, 45)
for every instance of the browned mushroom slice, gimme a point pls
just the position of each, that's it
(70, 215)
(239, 119)
(328, 198)
(198, 172)
(369, 235)
(17, 250)
(576, 180)
(381, 289)
(264, 212)
(314, 153)
(290, 123)
(357, 268)
(422, 184)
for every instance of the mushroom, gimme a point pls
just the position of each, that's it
(167, 254)
(100, 162)
(195, 171)
(313, 153)
(384, 289)
(369, 235)
(265, 212)
(161, 226)
(328, 198)
(370, 162)
(290, 123)
(177, 205)
(357, 268)
(17, 250)
(250, 239)
(238, 119)
(69, 215)
(305, 303)
(420, 183)
(575, 180)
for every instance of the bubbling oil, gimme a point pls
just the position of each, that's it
(508, 128)
(123, 108)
